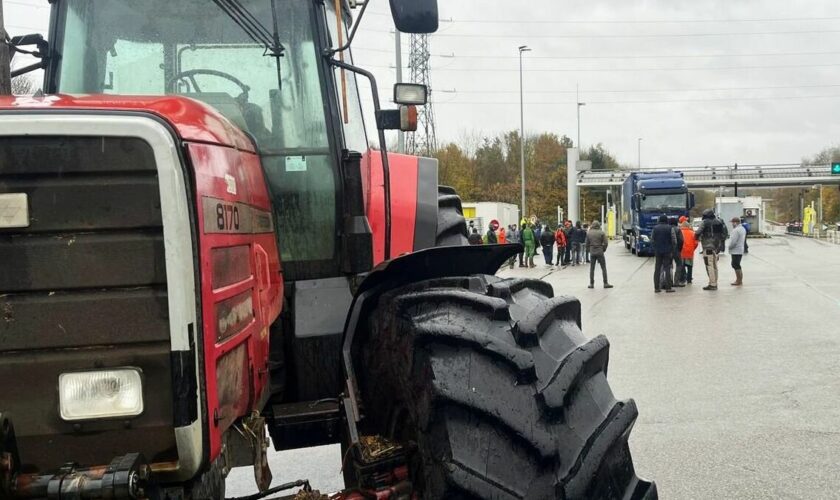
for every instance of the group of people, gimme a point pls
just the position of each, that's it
(575, 244)
(675, 242)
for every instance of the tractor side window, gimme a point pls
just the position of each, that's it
(355, 137)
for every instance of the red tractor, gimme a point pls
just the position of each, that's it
(199, 248)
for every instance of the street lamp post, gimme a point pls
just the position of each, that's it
(522, 50)
(640, 153)
(579, 104)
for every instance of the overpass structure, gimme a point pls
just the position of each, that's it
(774, 175)
(704, 177)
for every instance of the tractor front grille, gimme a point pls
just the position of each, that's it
(83, 287)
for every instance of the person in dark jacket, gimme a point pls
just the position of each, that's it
(578, 240)
(679, 278)
(596, 245)
(547, 242)
(585, 248)
(664, 241)
(712, 234)
(491, 235)
(475, 238)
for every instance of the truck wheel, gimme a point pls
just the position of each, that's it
(451, 226)
(496, 393)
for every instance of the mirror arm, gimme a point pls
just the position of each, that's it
(331, 52)
(27, 69)
(383, 150)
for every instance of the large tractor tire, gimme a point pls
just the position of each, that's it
(451, 226)
(496, 393)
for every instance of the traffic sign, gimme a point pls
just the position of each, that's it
(835, 168)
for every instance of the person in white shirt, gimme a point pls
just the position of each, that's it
(737, 240)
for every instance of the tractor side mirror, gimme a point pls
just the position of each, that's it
(634, 202)
(690, 201)
(42, 50)
(415, 16)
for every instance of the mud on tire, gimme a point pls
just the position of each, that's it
(496, 391)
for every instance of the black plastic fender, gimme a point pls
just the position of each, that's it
(438, 262)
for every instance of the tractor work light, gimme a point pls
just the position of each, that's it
(100, 394)
(410, 94)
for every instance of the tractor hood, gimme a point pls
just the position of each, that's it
(192, 120)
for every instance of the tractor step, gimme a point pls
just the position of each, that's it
(304, 424)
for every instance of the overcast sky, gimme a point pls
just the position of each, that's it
(702, 82)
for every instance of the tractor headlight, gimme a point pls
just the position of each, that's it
(100, 394)
(645, 238)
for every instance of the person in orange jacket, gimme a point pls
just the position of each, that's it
(560, 238)
(502, 236)
(688, 249)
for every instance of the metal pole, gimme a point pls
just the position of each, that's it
(398, 53)
(640, 153)
(820, 214)
(5, 62)
(523, 48)
(577, 105)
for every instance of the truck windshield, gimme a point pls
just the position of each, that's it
(192, 48)
(676, 201)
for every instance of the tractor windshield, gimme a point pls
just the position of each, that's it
(193, 48)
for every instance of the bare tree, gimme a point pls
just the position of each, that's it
(23, 85)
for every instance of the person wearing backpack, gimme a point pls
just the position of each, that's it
(712, 234)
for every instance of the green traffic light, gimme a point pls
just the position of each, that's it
(835, 169)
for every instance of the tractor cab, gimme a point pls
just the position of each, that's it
(266, 65)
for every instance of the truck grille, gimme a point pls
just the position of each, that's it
(83, 287)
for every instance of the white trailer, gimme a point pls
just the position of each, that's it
(479, 214)
(749, 208)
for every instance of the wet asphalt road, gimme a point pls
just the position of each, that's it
(738, 390)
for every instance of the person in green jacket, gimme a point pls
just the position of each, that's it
(529, 239)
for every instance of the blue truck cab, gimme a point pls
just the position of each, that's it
(646, 196)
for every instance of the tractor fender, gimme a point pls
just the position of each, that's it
(431, 263)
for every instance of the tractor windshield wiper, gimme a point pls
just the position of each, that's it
(252, 26)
